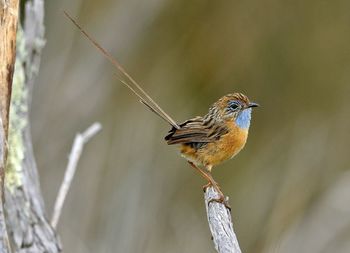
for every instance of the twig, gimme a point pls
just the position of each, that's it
(77, 148)
(220, 224)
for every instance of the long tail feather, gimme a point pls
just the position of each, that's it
(144, 98)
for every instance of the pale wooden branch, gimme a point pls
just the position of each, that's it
(220, 224)
(80, 140)
(28, 228)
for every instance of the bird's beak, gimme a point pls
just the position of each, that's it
(252, 104)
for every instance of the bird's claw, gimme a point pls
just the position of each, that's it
(205, 187)
(209, 184)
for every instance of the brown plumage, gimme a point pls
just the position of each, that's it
(196, 130)
(208, 128)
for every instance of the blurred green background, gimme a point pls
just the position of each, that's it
(289, 188)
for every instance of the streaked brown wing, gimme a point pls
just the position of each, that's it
(196, 130)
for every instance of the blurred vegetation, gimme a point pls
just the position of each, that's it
(289, 188)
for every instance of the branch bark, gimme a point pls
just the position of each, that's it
(220, 224)
(4, 241)
(28, 227)
(8, 28)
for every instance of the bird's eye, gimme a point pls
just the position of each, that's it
(233, 105)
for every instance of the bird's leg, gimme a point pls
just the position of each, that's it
(202, 173)
(222, 198)
(211, 182)
(206, 175)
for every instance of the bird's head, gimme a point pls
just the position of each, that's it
(235, 106)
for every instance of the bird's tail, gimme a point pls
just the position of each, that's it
(127, 80)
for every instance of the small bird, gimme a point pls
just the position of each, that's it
(203, 141)
(218, 136)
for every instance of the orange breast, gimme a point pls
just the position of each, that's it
(221, 150)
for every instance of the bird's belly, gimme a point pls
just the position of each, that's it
(216, 152)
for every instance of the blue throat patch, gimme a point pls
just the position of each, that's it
(243, 118)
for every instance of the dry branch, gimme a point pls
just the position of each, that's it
(220, 224)
(4, 241)
(80, 140)
(28, 228)
(8, 29)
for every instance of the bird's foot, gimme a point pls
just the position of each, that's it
(210, 184)
(207, 186)
(222, 200)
